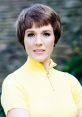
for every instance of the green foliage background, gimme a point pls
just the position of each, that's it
(67, 53)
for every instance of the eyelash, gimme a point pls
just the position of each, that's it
(44, 34)
(31, 35)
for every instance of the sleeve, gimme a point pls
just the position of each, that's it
(12, 96)
(76, 91)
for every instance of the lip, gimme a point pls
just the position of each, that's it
(39, 50)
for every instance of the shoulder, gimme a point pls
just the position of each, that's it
(62, 74)
(67, 76)
(13, 78)
(17, 73)
(69, 80)
(12, 84)
(9, 83)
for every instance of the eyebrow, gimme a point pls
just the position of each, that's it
(27, 31)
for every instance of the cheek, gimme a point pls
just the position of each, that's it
(51, 43)
(27, 46)
(50, 47)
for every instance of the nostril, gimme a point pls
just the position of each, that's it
(38, 42)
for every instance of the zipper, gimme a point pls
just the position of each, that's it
(48, 76)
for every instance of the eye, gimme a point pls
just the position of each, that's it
(31, 35)
(46, 34)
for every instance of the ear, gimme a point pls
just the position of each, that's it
(54, 44)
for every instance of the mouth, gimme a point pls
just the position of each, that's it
(39, 50)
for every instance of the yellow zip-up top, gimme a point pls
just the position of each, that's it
(42, 94)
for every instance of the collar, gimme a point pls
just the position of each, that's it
(38, 66)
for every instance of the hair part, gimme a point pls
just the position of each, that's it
(41, 15)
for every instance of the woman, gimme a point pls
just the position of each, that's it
(37, 89)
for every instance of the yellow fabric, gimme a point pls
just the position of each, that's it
(42, 94)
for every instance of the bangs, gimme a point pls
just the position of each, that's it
(39, 21)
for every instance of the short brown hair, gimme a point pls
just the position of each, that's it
(40, 15)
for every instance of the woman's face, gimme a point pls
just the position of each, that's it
(39, 42)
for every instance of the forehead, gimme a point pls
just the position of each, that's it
(41, 28)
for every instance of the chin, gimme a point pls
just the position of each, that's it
(40, 59)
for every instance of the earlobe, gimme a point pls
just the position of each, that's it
(54, 40)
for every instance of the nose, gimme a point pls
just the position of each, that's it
(38, 40)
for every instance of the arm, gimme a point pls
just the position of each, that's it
(76, 89)
(13, 99)
(18, 113)
(79, 113)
